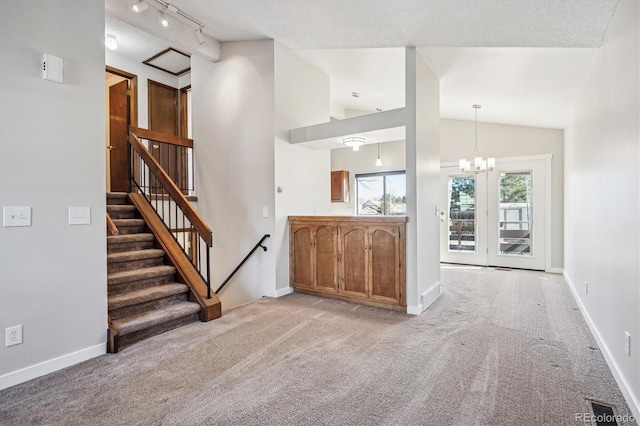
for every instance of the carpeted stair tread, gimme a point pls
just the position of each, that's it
(145, 295)
(128, 256)
(149, 319)
(129, 238)
(117, 198)
(140, 274)
(128, 222)
(121, 208)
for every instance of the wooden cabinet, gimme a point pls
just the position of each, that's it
(312, 263)
(360, 259)
(339, 186)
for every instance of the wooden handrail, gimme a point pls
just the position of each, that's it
(161, 137)
(170, 187)
(112, 226)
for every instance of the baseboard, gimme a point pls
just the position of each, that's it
(55, 364)
(555, 271)
(632, 401)
(427, 298)
(284, 291)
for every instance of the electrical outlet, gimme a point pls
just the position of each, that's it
(13, 335)
(586, 287)
(627, 343)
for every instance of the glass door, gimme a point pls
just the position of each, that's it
(462, 218)
(496, 218)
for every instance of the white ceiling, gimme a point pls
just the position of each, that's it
(524, 61)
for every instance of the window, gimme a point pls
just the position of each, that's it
(381, 193)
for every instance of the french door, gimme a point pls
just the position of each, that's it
(495, 218)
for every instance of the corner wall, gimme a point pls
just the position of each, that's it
(602, 213)
(423, 182)
(53, 276)
(233, 127)
(301, 99)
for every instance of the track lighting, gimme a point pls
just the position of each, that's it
(140, 6)
(199, 36)
(164, 18)
(111, 42)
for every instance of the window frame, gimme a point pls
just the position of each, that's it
(384, 190)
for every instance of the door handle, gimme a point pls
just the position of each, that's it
(110, 147)
(156, 146)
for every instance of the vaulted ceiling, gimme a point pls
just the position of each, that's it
(523, 60)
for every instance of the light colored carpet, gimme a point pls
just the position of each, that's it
(498, 348)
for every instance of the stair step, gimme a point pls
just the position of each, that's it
(129, 226)
(140, 274)
(122, 211)
(117, 198)
(134, 297)
(138, 259)
(129, 242)
(133, 323)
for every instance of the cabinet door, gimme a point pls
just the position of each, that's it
(354, 264)
(301, 262)
(339, 186)
(384, 252)
(326, 254)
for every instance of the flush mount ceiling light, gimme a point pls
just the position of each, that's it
(199, 36)
(140, 6)
(479, 164)
(111, 42)
(354, 142)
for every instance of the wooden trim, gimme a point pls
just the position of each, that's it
(161, 137)
(112, 226)
(388, 220)
(170, 49)
(171, 188)
(211, 308)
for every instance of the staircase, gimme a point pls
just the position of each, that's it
(144, 297)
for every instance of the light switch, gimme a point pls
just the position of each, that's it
(16, 216)
(79, 215)
(265, 212)
(51, 68)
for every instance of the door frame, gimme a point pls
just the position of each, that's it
(547, 197)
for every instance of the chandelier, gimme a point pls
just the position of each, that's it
(479, 164)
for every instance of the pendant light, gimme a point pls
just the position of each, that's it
(378, 161)
(479, 164)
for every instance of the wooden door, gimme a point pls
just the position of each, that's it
(118, 129)
(301, 256)
(163, 117)
(325, 255)
(354, 265)
(384, 252)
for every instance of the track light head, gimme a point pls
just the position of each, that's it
(139, 6)
(164, 19)
(199, 36)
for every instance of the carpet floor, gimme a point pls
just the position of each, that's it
(497, 348)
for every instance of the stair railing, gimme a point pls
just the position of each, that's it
(264, 237)
(148, 177)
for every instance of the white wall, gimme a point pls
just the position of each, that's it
(233, 126)
(301, 99)
(423, 177)
(602, 214)
(501, 140)
(393, 158)
(53, 277)
(144, 74)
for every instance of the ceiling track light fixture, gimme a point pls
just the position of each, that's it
(111, 42)
(139, 6)
(164, 18)
(479, 164)
(199, 36)
(354, 142)
(171, 8)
